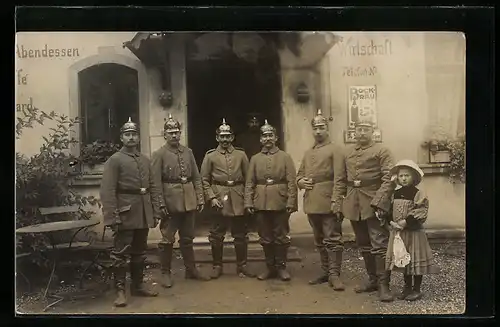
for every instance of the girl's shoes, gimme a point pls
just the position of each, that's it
(404, 294)
(414, 296)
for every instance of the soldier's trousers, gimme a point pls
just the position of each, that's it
(238, 227)
(370, 236)
(179, 222)
(328, 240)
(128, 244)
(273, 227)
(220, 224)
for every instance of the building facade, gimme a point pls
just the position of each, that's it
(412, 85)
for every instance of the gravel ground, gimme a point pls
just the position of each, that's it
(444, 293)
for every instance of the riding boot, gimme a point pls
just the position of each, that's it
(119, 277)
(270, 263)
(281, 260)
(335, 264)
(371, 285)
(166, 251)
(241, 250)
(137, 287)
(191, 271)
(384, 277)
(217, 253)
(323, 278)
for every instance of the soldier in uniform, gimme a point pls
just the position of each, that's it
(316, 175)
(131, 205)
(366, 181)
(271, 193)
(174, 167)
(223, 173)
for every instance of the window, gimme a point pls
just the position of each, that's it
(108, 96)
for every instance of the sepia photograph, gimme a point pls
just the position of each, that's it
(240, 172)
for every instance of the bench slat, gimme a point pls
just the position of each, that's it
(56, 210)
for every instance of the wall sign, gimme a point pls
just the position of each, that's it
(362, 105)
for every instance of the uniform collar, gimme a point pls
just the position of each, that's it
(359, 146)
(320, 145)
(230, 149)
(132, 154)
(174, 149)
(271, 151)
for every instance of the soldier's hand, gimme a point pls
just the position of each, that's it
(216, 203)
(395, 226)
(200, 207)
(250, 211)
(305, 183)
(290, 210)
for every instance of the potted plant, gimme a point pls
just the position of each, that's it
(457, 160)
(95, 154)
(438, 150)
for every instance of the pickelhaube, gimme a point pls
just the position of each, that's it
(266, 128)
(171, 125)
(365, 123)
(129, 126)
(319, 119)
(224, 129)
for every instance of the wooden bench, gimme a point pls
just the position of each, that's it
(67, 213)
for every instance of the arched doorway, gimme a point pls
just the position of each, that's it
(109, 95)
(231, 76)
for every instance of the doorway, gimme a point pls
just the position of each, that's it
(232, 88)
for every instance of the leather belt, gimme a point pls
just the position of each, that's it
(182, 180)
(138, 191)
(228, 183)
(363, 183)
(270, 181)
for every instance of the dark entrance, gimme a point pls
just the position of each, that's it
(229, 87)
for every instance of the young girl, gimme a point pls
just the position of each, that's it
(409, 212)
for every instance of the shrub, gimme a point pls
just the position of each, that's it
(44, 179)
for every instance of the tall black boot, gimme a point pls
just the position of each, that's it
(217, 254)
(270, 263)
(281, 261)
(137, 287)
(119, 277)
(372, 284)
(191, 271)
(335, 265)
(241, 250)
(166, 251)
(323, 278)
(384, 277)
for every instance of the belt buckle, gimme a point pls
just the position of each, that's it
(269, 181)
(142, 190)
(357, 183)
(230, 183)
(184, 180)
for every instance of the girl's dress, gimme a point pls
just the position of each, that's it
(411, 204)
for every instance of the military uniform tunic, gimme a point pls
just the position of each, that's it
(369, 164)
(277, 166)
(223, 177)
(176, 169)
(129, 171)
